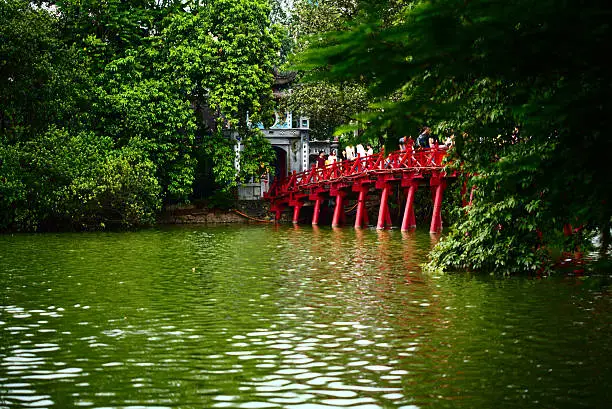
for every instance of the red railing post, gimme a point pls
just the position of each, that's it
(277, 208)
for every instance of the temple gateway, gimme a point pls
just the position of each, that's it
(290, 139)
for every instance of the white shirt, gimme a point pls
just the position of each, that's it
(361, 151)
(350, 153)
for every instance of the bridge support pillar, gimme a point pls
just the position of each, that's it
(384, 217)
(317, 210)
(277, 208)
(439, 184)
(317, 197)
(339, 215)
(362, 214)
(297, 202)
(409, 221)
(296, 212)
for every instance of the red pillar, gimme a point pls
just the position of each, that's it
(409, 221)
(339, 215)
(277, 208)
(383, 211)
(436, 217)
(317, 210)
(296, 212)
(362, 214)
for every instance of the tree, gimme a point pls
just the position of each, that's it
(125, 84)
(329, 105)
(224, 53)
(32, 60)
(484, 68)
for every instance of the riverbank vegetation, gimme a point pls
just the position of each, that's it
(523, 87)
(109, 110)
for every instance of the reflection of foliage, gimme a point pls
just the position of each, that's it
(482, 68)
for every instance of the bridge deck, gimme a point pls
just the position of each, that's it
(359, 176)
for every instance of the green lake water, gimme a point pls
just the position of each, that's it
(288, 317)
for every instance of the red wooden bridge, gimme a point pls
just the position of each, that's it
(357, 179)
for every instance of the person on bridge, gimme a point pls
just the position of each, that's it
(321, 160)
(423, 138)
(350, 152)
(450, 140)
(332, 158)
(388, 161)
(370, 151)
(433, 141)
(361, 152)
(402, 143)
(406, 143)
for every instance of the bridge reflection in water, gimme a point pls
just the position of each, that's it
(374, 175)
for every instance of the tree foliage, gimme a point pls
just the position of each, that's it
(328, 105)
(483, 68)
(76, 180)
(148, 84)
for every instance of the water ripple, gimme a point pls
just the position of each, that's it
(289, 318)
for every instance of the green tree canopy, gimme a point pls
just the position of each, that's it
(157, 81)
(329, 105)
(483, 68)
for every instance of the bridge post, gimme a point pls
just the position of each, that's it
(296, 200)
(339, 215)
(277, 208)
(439, 185)
(362, 214)
(409, 221)
(317, 210)
(384, 218)
(317, 196)
(296, 212)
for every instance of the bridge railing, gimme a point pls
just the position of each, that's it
(414, 160)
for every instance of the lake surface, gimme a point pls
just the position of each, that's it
(284, 317)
